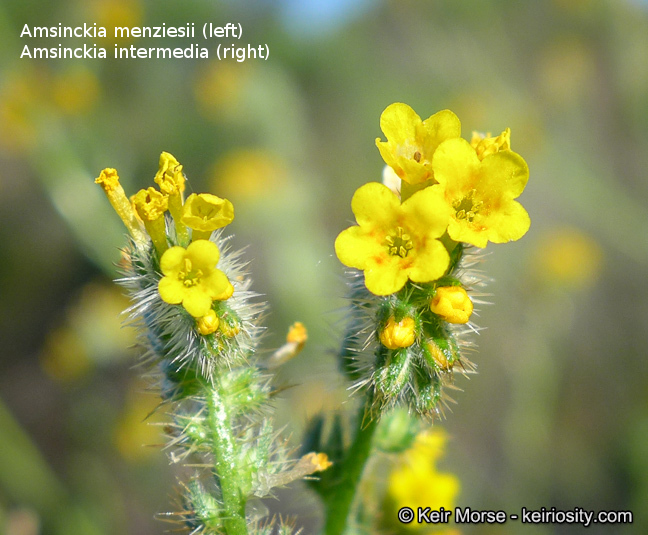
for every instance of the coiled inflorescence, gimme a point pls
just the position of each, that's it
(198, 324)
(418, 237)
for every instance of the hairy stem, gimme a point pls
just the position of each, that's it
(225, 462)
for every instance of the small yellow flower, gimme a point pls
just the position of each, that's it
(150, 205)
(208, 324)
(452, 304)
(481, 193)
(169, 176)
(171, 180)
(191, 277)
(394, 242)
(205, 213)
(411, 142)
(398, 334)
(109, 181)
(485, 145)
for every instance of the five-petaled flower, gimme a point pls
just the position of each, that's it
(481, 193)
(394, 242)
(411, 142)
(205, 213)
(191, 277)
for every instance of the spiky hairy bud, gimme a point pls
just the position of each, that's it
(419, 374)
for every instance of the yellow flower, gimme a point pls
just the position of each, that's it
(205, 213)
(481, 193)
(150, 205)
(485, 145)
(109, 181)
(169, 176)
(452, 304)
(416, 481)
(395, 242)
(171, 180)
(411, 142)
(396, 335)
(191, 277)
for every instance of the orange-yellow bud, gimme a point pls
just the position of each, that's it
(439, 357)
(452, 304)
(396, 335)
(208, 324)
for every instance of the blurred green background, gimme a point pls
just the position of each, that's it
(558, 414)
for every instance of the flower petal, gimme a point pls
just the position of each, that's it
(439, 127)
(375, 205)
(398, 122)
(460, 230)
(203, 254)
(354, 247)
(510, 223)
(430, 262)
(385, 277)
(427, 212)
(171, 290)
(207, 212)
(504, 173)
(217, 285)
(456, 166)
(197, 302)
(171, 261)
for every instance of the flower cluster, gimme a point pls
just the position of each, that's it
(198, 326)
(412, 244)
(454, 191)
(191, 277)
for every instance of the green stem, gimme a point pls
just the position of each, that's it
(340, 502)
(225, 462)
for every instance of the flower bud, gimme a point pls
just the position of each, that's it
(452, 304)
(230, 328)
(208, 324)
(398, 334)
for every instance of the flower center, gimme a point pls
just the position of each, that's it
(466, 208)
(400, 244)
(189, 277)
(206, 212)
(417, 157)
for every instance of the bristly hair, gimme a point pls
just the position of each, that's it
(168, 333)
(409, 376)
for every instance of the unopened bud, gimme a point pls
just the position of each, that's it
(398, 334)
(208, 324)
(452, 304)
